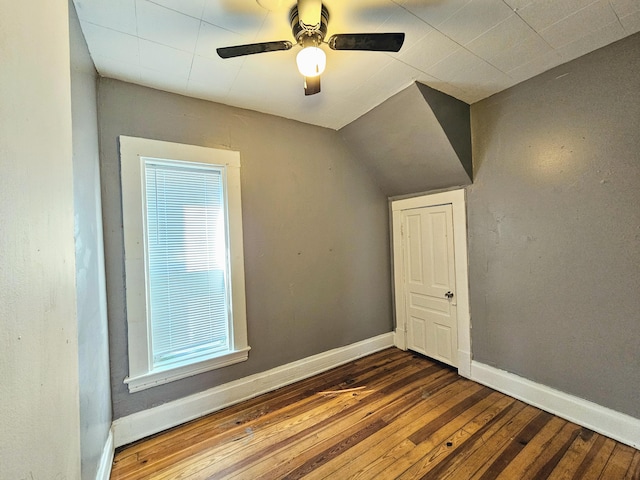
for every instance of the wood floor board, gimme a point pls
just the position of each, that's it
(594, 465)
(449, 414)
(551, 452)
(468, 454)
(367, 454)
(326, 449)
(222, 435)
(389, 415)
(532, 457)
(633, 472)
(438, 433)
(574, 456)
(367, 410)
(302, 429)
(448, 442)
(515, 446)
(618, 462)
(490, 446)
(272, 401)
(230, 447)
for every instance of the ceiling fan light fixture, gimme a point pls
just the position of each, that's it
(311, 61)
(309, 19)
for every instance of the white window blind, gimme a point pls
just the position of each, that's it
(188, 287)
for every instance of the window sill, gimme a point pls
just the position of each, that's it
(159, 377)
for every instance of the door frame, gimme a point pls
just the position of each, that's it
(457, 199)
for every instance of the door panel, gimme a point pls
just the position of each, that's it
(418, 326)
(415, 274)
(438, 253)
(443, 341)
(428, 303)
(429, 275)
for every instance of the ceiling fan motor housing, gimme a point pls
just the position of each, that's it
(306, 35)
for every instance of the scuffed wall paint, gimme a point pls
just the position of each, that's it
(315, 233)
(39, 433)
(93, 337)
(554, 228)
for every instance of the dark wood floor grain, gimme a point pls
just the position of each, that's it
(390, 415)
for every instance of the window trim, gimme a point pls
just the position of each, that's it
(133, 150)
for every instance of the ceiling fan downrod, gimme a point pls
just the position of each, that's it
(305, 34)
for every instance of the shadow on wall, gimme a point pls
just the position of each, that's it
(416, 141)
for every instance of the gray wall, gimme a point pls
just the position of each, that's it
(554, 228)
(416, 141)
(93, 353)
(39, 428)
(315, 233)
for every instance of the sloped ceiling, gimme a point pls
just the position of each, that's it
(416, 141)
(469, 49)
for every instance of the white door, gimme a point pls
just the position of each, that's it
(429, 282)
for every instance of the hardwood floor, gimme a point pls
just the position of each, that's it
(390, 415)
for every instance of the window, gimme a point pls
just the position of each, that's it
(183, 260)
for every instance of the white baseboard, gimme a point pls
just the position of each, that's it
(620, 427)
(106, 459)
(142, 424)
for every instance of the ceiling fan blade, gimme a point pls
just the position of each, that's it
(311, 85)
(252, 48)
(376, 42)
(309, 12)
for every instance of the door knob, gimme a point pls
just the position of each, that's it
(449, 295)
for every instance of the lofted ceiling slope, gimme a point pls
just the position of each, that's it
(416, 141)
(469, 49)
(454, 117)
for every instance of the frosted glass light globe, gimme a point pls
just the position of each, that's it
(311, 61)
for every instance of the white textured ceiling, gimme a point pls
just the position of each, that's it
(469, 49)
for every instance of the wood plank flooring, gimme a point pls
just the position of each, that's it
(390, 415)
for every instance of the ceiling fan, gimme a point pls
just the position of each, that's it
(309, 19)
